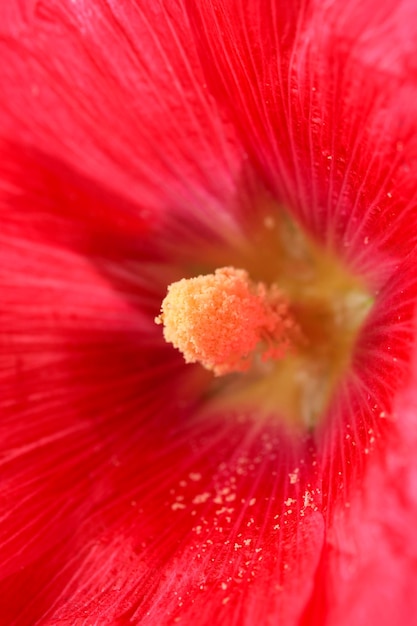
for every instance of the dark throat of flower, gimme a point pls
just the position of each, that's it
(282, 344)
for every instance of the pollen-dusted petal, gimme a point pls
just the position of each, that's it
(219, 320)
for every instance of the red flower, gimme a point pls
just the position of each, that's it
(141, 142)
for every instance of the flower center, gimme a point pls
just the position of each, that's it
(280, 334)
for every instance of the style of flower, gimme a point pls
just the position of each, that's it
(148, 142)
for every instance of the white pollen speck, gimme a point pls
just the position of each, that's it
(221, 511)
(201, 498)
(224, 586)
(308, 499)
(195, 476)
(176, 506)
(252, 501)
(293, 476)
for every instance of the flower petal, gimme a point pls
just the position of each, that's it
(368, 569)
(320, 93)
(197, 536)
(78, 353)
(115, 91)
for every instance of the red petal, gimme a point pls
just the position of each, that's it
(200, 537)
(321, 94)
(116, 92)
(368, 571)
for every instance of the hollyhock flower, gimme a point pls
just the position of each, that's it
(268, 152)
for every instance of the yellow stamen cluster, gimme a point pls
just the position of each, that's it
(225, 321)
